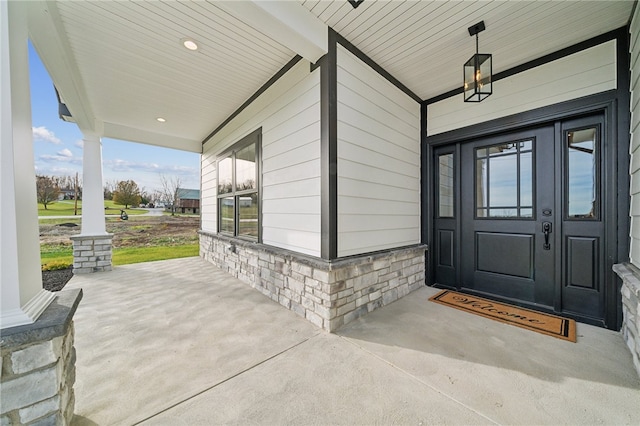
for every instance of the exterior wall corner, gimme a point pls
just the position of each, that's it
(327, 294)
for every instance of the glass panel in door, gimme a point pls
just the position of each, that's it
(582, 161)
(503, 180)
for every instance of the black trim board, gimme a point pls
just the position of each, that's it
(259, 178)
(377, 68)
(592, 42)
(329, 150)
(372, 64)
(623, 202)
(425, 154)
(525, 119)
(259, 92)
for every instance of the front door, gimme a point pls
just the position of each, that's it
(519, 217)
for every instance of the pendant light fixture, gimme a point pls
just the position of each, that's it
(477, 71)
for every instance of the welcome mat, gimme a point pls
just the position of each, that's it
(552, 325)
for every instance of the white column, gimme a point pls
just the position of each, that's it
(22, 297)
(93, 222)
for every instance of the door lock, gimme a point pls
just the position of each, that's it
(546, 230)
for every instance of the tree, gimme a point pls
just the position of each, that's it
(109, 187)
(157, 196)
(170, 191)
(126, 193)
(77, 190)
(145, 198)
(69, 183)
(47, 190)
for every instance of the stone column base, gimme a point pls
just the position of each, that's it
(630, 276)
(37, 367)
(329, 294)
(91, 253)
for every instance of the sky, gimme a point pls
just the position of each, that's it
(57, 145)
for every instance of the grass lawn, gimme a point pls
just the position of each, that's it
(51, 254)
(139, 239)
(65, 208)
(55, 254)
(125, 256)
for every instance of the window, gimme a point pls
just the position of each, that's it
(582, 154)
(445, 185)
(504, 180)
(238, 188)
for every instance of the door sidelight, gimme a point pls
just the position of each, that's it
(546, 230)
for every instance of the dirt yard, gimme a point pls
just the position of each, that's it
(138, 231)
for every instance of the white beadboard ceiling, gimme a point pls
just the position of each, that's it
(120, 64)
(424, 43)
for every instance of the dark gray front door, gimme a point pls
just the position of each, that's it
(524, 220)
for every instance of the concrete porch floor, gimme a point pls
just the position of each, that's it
(180, 342)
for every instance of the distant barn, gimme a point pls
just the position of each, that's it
(188, 200)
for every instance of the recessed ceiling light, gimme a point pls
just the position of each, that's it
(161, 120)
(189, 44)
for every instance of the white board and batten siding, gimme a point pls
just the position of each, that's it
(378, 161)
(289, 114)
(584, 73)
(634, 169)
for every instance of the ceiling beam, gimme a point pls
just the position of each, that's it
(126, 133)
(48, 37)
(287, 22)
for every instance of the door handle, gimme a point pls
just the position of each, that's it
(546, 230)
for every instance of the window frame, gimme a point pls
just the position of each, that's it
(453, 186)
(254, 138)
(519, 207)
(598, 148)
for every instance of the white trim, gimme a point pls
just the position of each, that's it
(23, 298)
(36, 306)
(288, 23)
(93, 222)
(9, 287)
(29, 312)
(46, 31)
(131, 134)
(14, 318)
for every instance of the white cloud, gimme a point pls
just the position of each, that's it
(56, 171)
(65, 153)
(43, 134)
(64, 156)
(79, 143)
(133, 166)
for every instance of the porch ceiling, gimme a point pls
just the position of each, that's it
(424, 43)
(120, 65)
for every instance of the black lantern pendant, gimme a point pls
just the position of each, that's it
(477, 71)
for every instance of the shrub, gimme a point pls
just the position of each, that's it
(56, 265)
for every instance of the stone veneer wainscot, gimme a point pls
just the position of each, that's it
(37, 366)
(630, 276)
(91, 253)
(328, 294)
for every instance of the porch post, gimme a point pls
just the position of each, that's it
(23, 298)
(93, 220)
(92, 248)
